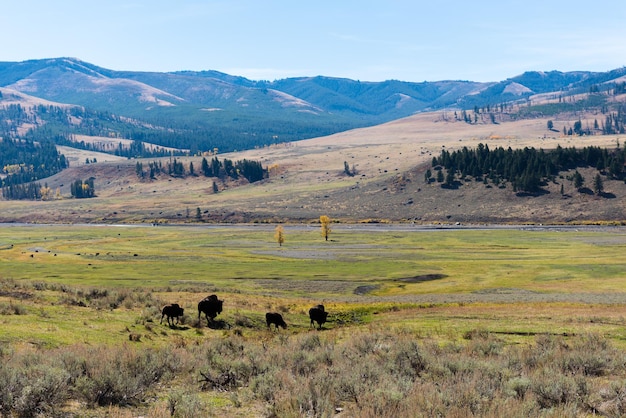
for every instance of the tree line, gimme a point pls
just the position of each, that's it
(227, 131)
(24, 161)
(525, 169)
(252, 171)
(83, 189)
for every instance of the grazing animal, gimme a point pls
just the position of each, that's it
(318, 314)
(276, 319)
(211, 306)
(172, 311)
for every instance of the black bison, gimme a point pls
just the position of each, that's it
(172, 311)
(211, 306)
(318, 314)
(276, 319)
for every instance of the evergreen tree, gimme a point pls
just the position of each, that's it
(579, 180)
(598, 184)
(449, 178)
(206, 170)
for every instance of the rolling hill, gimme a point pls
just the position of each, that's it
(205, 110)
(90, 110)
(307, 180)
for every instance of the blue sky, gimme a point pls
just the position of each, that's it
(363, 40)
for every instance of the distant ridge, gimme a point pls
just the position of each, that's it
(207, 110)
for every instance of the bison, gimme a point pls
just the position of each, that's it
(276, 319)
(318, 314)
(211, 306)
(172, 311)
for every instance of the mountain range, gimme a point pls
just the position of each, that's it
(204, 110)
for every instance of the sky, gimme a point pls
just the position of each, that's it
(362, 40)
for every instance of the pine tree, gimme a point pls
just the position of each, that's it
(579, 180)
(598, 184)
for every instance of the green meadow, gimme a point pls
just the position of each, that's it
(359, 269)
(519, 300)
(399, 262)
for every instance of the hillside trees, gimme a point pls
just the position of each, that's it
(598, 184)
(527, 169)
(26, 191)
(349, 171)
(252, 171)
(83, 189)
(25, 161)
(578, 180)
(170, 133)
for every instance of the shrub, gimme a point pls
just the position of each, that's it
(29, 386)
(182, 405)
(122, 376)
(552, 389)
(519, 386)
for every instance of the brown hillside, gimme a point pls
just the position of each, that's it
(307, 180)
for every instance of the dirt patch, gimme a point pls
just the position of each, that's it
(16, 295)
(301, 254)
(423, 278)
(305, 286)
(364, 290)
(503, 291)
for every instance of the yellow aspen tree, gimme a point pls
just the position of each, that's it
(46, 193)
(279, 235)
(325, 221)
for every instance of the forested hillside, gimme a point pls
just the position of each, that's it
(526, 170)
(24, 162)
(208, 110)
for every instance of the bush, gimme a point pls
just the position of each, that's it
(369, 373)
(30, 387)
(12, 309)
(553, 389)
(122, 376)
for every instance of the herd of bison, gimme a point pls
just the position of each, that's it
(211, 306)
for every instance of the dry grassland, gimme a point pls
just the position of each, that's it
(307, 180)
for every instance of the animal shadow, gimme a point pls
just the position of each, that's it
(179, 327)
(219, 324)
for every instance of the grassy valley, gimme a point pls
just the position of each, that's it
(527, 320)
(471, 300)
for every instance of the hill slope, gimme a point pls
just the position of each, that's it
(204, 110)
(186, 112)
(307, 180)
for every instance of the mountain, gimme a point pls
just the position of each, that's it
(207, 110)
